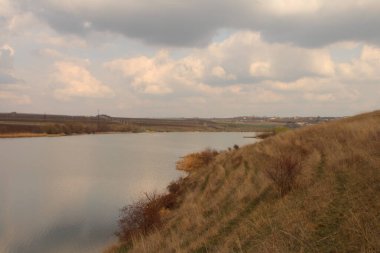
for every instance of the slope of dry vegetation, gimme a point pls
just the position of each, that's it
(315, 189)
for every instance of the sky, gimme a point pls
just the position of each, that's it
(190, 58)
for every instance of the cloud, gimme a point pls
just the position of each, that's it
(159, 74)
(246, 67)
(11, 88)
(6, 8)
(77, 81)
(146, 75)
(6, 57)
(365, 68)
(238, 55)
(14, 98)
(6, 65)
(241, 58)
(314, 23)
(219, 72)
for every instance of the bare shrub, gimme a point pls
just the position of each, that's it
(198, 160)
(140, 217)
(145, 215)
(284, 171)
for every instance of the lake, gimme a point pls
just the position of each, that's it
(63, 194)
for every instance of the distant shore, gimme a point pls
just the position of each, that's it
(27, 135)
(20, 125)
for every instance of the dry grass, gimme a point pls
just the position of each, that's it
(22, 135)
(284, 171)
(197, 160)
(231, 205)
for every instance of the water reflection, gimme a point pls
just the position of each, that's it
(64, 194)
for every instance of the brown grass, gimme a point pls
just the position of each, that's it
(231, 205)
(197, 160)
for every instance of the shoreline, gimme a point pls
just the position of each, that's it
(28, 135)
(35, 135)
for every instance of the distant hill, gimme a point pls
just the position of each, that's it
(313, 189)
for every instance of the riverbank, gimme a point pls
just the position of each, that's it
(313, 189)
(28, 135)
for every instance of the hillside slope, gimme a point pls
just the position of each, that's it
(233, 206)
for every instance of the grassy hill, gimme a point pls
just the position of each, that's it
(315, 189)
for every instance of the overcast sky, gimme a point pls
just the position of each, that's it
(190, 58)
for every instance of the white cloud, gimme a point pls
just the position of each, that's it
(51, 53)
(366, 68)
(147, 75)
(219, 72)
(6, 57)
(77, 81)
(260, 69)
(319, 97)
(159, 74)
(5, 8)
(292, 7)
(14, 98)
(241, 58)
(7, 76)
(62, 41)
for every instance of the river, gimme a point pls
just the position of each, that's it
(63, 194)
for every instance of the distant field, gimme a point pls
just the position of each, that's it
(38, 124)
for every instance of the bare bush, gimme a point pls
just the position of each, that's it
(284, 171)
(140, 217)
(144, 215)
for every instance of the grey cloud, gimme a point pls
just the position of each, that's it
(324, 27)
(8, 79)
(161, 22)
(193, 23)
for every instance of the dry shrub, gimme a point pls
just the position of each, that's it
(140, 217)
(198, 160)
(284, 171)
(145, 215)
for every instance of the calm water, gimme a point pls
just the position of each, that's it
(64, 194)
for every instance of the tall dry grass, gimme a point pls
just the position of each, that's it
(233, 205)
(196, 160)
